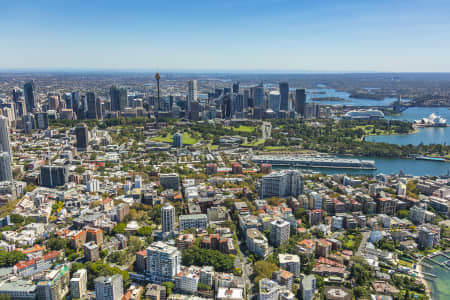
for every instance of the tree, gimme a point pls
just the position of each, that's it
(145, 231)
(203, 287)
(119, 228)
(8, 259)
(169, 286)
(75, 267)
(205, 257)
(16, 218)
(360, 292)
(360, 271)
(264, 269)
(403, 214)
(57, 243)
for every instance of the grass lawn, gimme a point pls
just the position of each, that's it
(276, 148)
(254, 143)
(405, 263)
(243, 128)
(187, 139)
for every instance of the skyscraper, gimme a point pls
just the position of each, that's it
(259, 96)
(82, 134)
(300, 101)
(284, 95)
(98, 108)
(119, 98)
(226, 106)
(75, 101)
(274, 101)
(168, 218)
(91, 106)
(4, 136)
(109, 288)
(30, 101)
(192, 93)
(16, 97)
(5, 167)
(236, 87)
(42, 120)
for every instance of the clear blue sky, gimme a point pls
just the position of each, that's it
(259, 35)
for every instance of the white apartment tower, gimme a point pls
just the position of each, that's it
(163, 262)
(279, 232)
(78, 284)
(168, 222)
(109, 288)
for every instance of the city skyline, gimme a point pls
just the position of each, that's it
(237, 36)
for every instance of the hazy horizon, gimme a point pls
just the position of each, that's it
(233, 36)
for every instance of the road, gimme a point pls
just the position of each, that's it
(362, 246)
(247, 269)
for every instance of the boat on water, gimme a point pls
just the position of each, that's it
(430, 158)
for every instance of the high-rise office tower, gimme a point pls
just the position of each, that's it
(30, 100)
(98, 108)
(226, 106)
(67, 97)
(236, 87)
(53, 176)
(284, 96)
(109, 288)
(119, 98)
(75, 101)
(17, 100)
(42, 120)
(16, 94)
(4, 135)
(168, 218)
(53, 101)
(259, 96)
(82, 134)
(238, 103)
(275, 101)
(300, 101)
(192, 93)
(82, 108)
(91, 105)
(5, 167)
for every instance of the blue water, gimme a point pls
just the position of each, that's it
(394, 166)
(344, 95)
(424, 135)
(439, 284)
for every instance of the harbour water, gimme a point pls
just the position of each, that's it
(393, 166)
(436, 135)
(325, 93)
(439, 285)
(423, 135)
